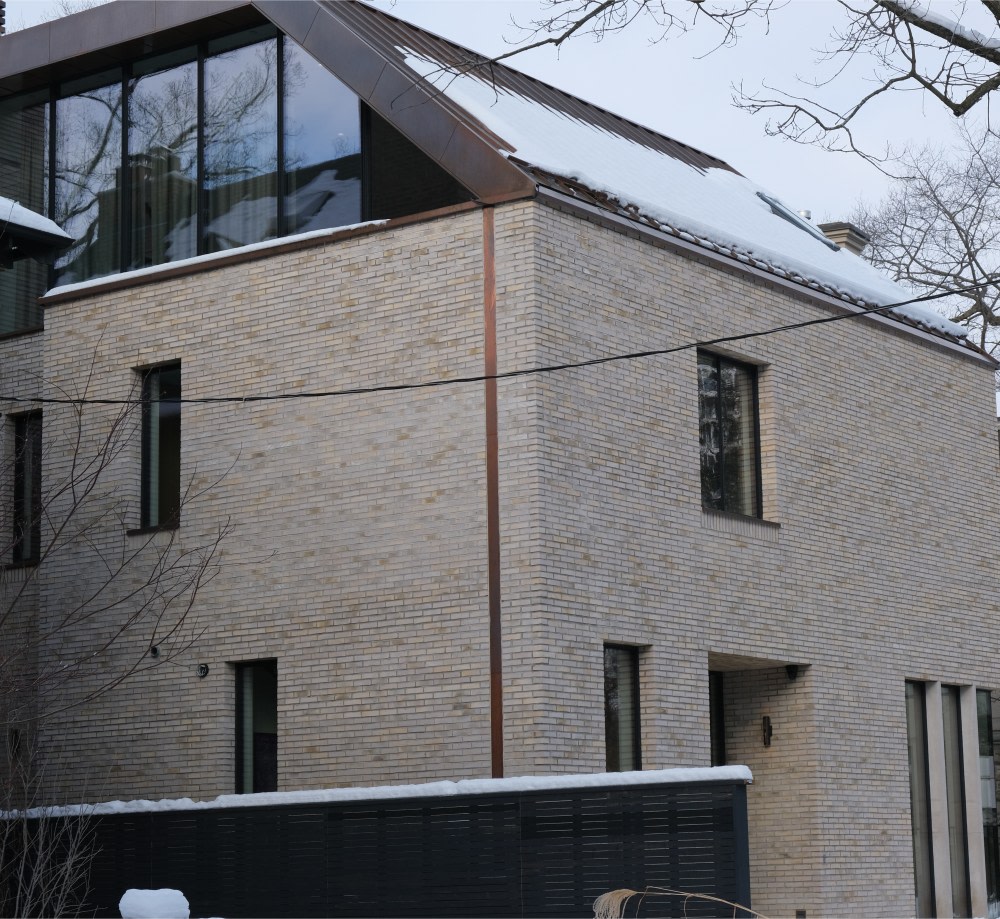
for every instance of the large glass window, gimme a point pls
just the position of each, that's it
(322, 146)
(621, 708)
(27, 488)
(87, 165)
(727, 414)
(257, 727)
(24, 127)
(241, 146)
(163, 160)
(161, 447)
(954, 776)
(223, 144)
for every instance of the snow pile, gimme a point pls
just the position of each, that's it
(154, 904)
(13, 213)
(426, 790)
(715, 208)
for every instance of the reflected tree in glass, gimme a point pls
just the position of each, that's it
(241, 146)
(87, 162)
(163, 164)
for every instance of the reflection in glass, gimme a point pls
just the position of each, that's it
(87, 165)
(163, 165)
(241, 146)
(24, 131)
(322, 147)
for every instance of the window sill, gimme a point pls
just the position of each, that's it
(160, 528)
(16, 566)
(740, 525)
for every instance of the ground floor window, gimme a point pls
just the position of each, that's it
(717, 716)
(956, 855)
(257, 726)
(621, 708)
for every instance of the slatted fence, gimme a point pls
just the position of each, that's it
(525, 853)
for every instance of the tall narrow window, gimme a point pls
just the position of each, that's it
(954, 768)
(257, 727)
(161, 447)
(621, 708)
(27, 488)
(728, 435)
(988, 779)
(920, 804)
(717, 716)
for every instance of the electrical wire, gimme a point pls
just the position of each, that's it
(505, 375)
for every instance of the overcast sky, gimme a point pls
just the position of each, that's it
(681, 89)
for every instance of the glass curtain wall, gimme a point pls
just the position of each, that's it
(88, 150)
(163, 160)
(322, 140)
(236, 141)
(24, 128)
(240, 92)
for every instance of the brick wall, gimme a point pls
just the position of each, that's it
(357, 555)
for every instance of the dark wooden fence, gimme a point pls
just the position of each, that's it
(526, 853)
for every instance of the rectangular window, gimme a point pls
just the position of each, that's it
(728, 435)
(717, 716)
(257, 727)
(27, 488)
(920, 797)
(989, 777)
(161, 447)
(621, 708)
(954, 771)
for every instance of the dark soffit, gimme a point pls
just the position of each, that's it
(109, 35)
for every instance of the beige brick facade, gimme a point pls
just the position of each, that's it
(356, 551)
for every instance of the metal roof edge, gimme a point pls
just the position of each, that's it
(456, 141)
(562, 201)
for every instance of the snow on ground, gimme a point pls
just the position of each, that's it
(715, 207)
(427, 790)
(154, 904)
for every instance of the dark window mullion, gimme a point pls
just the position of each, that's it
(280, 110)
(125, 179)
(202, 203)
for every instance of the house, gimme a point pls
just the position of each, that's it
(415, 420)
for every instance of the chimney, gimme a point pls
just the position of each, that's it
(845, 235)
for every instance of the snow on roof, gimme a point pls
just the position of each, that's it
(426, 790)
(714, 207)
(14, 214)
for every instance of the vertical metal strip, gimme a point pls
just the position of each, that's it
(492, 493)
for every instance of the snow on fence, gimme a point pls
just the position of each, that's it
(506, 847)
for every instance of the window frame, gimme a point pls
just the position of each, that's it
(720, 362)
(614, 760)
(27, 521)
(146, 521)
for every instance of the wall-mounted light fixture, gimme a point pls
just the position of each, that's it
(154, 651)
(202, 671)
(793, 672)
(767, 730)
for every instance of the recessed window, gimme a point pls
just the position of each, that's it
(621, 708)
(728, 435)
(257, 727)
(717, 717)
(161, 447)
(27, 488)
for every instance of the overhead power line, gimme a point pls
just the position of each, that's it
(507, 374)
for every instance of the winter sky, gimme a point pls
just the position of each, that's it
(682, 88)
